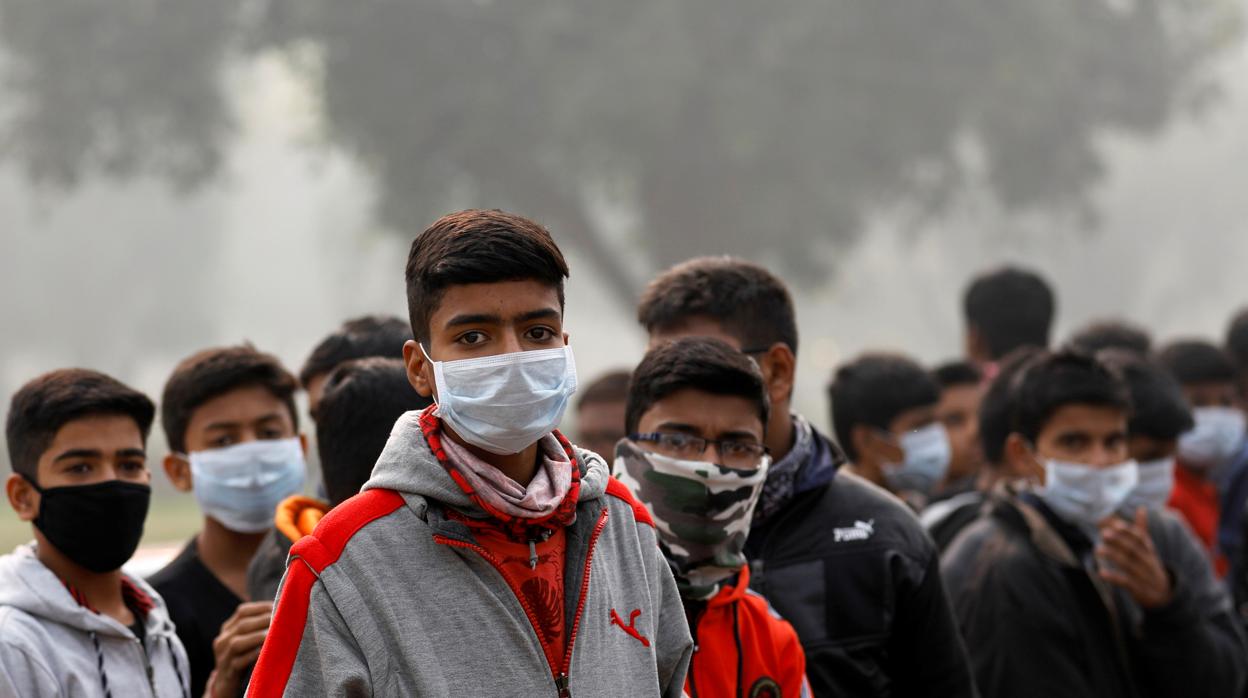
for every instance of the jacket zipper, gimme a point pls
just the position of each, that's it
(562, 679)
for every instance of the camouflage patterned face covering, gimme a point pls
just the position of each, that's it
(702, 512)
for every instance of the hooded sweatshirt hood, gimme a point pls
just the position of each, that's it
(408, 467)
(41, 621)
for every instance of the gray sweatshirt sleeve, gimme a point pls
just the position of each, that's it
(673, 646)
(329, 662)
(23, 675)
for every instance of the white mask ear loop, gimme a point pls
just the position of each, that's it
(434, 364)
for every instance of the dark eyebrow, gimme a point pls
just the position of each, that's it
(543, 314)
(678, 426)
(131, 453)
(478, 319)
(78, 453)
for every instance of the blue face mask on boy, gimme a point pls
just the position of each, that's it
(506, 402)
(1084, 495)
(241, 485)
(925, 463)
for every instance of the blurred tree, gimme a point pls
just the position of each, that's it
(766, 130)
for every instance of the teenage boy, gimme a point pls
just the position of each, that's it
(357, 338)
(1005, 309)
(884, 412)
(229, 417)
(1055, 594)
(71, 622)
(486, 555)
(697, 413)
(600, 412)
(961, 391)
(1207, 378)
(843, 561)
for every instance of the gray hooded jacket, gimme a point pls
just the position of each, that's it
(390, 597)
(52, 646)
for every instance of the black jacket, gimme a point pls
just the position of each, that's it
(1039, 622)
(850, 567)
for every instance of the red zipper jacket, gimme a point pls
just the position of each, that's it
(744, 648)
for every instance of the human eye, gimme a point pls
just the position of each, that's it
(540, 334)
(221, 441)
(471, 338)
(81, 468)
(133, 466)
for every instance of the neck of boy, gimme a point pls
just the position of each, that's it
(781, 435)
(520, 467)
(227, 553)
(101, 590)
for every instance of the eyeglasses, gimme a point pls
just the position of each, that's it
(738, 455)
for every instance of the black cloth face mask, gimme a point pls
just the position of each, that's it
(97, 526)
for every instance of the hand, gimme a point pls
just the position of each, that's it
(237, 646)
(1130, 561)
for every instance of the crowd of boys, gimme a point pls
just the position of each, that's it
(1029, 520)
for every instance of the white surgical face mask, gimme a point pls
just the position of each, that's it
(1084, 495)
(1216, 437)
(1156, 481)
(925, 463)
(506, 402)
(241, 485)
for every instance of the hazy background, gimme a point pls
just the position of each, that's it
(176, 174)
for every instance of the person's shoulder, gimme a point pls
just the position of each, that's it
(22, 630)
(336, 529)
(850, 498)
(618, 494)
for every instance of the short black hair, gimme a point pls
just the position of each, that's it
(1054, 380)
(1009, 308)
(1112, 334)
(953, 374)
(357, 338)
(45, 404)
(874, 389)
(477, 247)
(749, 302)
(1237, 339)
(609, 387)
(996, 410)
(363, 399)
(1197, 361)
(1158, 409)
(701, 363)
(212, 372)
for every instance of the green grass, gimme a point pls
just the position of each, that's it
(172, 519)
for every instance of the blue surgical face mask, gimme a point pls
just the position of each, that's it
(1216, 437)
(241, 485)
(1156, 481)
(925, 462)
(506, 402)
(1084, 495)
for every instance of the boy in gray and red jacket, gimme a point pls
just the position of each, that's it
(486, 555)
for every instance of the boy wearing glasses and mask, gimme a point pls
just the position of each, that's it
(696, 416)
(71, 622)
(229, 416)
(1059, 596)
(487, 555)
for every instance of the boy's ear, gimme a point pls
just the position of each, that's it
(417, 368)
(1021, 460)
(779, 368)
(303, 444)
(22, 497)
(975, 347)
(179, 472)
